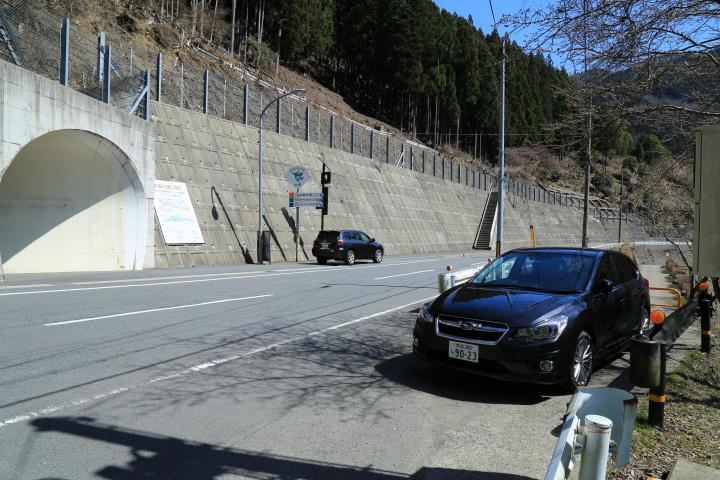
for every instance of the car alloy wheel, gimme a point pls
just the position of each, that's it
(378, 256)
(350, 258)
(582, 365)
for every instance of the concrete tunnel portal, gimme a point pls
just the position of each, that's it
(71, 200)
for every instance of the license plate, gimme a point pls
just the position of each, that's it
(463, 351)
(324, 245)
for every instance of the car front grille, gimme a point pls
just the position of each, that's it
(470, 330)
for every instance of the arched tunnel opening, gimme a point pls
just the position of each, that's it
(71, 201)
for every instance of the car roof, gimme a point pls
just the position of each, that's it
(570, 250)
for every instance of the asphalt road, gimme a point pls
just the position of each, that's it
(285, 371)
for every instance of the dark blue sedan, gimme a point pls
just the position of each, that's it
(540, 315)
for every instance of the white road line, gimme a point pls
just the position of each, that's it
(138, 312)
(403, 274)
(196, 368)
(318, 269)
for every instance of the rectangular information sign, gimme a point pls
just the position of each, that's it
(175, 214)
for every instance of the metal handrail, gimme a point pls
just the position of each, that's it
(677, 293)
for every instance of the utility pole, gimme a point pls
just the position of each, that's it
(589, 136)
(501, 173)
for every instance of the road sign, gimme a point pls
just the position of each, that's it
(319, 195)
(297, 176)
(306, 200)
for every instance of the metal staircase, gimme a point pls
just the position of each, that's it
(482, 238)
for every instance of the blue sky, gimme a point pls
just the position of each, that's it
(481, 13)
(483, 16)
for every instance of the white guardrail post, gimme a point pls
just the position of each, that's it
(448, 280)
(596, 450)
(594, 439)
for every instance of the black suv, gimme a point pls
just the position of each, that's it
(346, 246)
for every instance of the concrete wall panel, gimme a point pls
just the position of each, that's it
(406, 210)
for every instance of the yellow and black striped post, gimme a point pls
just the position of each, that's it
(656, 411)
(704, 301)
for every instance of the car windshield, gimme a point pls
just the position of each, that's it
(558, 272)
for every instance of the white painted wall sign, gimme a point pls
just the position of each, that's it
(175, 213)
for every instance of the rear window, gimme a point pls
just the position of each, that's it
(329, 235)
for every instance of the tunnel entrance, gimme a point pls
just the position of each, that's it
(68, 202)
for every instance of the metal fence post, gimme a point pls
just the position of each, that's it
(332, 131)
(158, 87)
(64, 51)
(352, 138)
(279, 115)
(147, 95)
(107, 74)
(246, 96)
(307, 124)
(205, 92)
(101, 56)
(182, 83)
(372, 144)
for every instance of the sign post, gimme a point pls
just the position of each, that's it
(297, 176)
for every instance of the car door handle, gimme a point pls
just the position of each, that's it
(623, 300)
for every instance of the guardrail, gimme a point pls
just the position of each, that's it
(448, 280)
(597, 422)
(648, 357)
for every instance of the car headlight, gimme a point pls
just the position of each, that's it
(424, 314)
(550, 328)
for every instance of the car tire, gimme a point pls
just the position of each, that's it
(322, 261)
(377, 258)
(581, 365)
(350, 257)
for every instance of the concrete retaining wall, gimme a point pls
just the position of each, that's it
(407, 211)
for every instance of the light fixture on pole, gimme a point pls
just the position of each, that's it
(299, 92)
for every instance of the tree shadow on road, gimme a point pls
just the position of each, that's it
(157, 456)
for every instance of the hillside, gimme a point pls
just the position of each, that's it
(140, 24)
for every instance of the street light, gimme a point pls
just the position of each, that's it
(299, 92)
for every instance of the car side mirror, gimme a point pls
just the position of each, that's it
(372, 239)
(607, 286)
